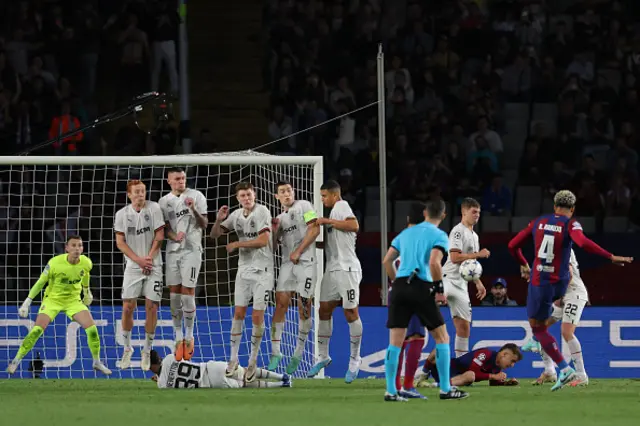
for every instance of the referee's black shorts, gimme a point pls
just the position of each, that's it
(415, 298)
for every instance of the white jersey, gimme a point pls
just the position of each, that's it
(139, 230)
(190, 375)
(249, 228)
(576, 286)
(293, 227)
(181, 219)
(341, 246)
(465, 241)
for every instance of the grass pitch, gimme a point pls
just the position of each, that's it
(310, 402)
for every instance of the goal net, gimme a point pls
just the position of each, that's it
(44, 199)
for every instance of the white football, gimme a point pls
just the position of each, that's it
(471, 270)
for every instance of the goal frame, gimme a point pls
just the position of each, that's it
(239, 158)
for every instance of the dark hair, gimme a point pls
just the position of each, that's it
(244, 186)
(155, 357)
(282, 183)
(73, 237)
(174, 170)
(436, 208)
(416, 213)
(469, 203)
(331, 186)
(513, 348)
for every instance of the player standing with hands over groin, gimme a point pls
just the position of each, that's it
(417, 287)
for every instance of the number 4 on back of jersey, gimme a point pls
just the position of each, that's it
(545, 252)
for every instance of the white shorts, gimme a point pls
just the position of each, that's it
(458, 300)
(300, 278)
(183, 267)
(135, 284)
(571, 312)
(216, 376)
(253, 284)
(343, 285)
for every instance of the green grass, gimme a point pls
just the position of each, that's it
(310, 402)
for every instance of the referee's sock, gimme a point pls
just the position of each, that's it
(443, 362)
(391, 368)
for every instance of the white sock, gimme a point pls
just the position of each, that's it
(325, 328)
(175, 302)
(276, 337)
(127, 338)
(576, 354)
(256, 338)
(549, 368)
(236, 337)
(461, 346)
(261, 373)
(148, 341)
(355, 338)
(304, 327)
(189, 310)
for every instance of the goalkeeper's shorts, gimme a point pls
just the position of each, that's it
(52, 307)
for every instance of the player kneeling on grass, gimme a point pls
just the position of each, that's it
(66, 275)
(173, 374)
(477, 366)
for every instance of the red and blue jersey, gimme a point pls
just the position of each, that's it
(553, 236)
(481, 361)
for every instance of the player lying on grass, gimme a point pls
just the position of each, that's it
(172, 374)
(66, 275)
(477, 366)
(569, 311)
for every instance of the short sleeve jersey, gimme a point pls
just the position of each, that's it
(249, 228)
(576, 286)
(180, 218)
(462, 240)
(139, 230)
(293, 225)
(414, 245)
(181, 374)
(65, 280)
(341, 245)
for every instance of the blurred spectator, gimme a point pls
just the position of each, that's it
(496, 199)
(61, 124)
(498, 295)
(164, 34)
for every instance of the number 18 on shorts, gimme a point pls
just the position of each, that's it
(343, 285)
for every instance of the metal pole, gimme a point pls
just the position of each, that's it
(185, 111)
(382, 157)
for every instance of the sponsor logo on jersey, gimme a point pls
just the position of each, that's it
(252, 224)
(147, 217)
(290, 229)
(251, 235)
(143, 230)
(292, 215)
(549, 269)
(182, 213)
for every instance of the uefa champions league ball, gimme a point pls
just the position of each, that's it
(471, 270)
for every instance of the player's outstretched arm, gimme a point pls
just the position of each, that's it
(389, 259)
(23, 311)
(588, 245)
(349, 224)
(517, 242)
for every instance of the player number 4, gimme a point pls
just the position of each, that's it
(545, 252)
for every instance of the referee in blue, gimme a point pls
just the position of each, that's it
(417, 288)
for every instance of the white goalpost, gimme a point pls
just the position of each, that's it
(45, 199)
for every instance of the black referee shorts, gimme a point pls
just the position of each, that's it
(411, 299)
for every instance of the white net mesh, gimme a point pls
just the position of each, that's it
(41, 204)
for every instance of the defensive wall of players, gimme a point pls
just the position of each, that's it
(611, 333)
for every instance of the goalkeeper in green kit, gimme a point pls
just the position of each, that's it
(67, 275)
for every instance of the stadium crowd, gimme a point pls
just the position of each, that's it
(456, 74)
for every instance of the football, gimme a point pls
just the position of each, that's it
(471, 270)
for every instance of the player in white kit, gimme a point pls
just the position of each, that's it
(139, 229)
(463, 245)
(341, 279)
(568, 310)
(254, 279)
(297, 229)
(174, 374)
(185, 214)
